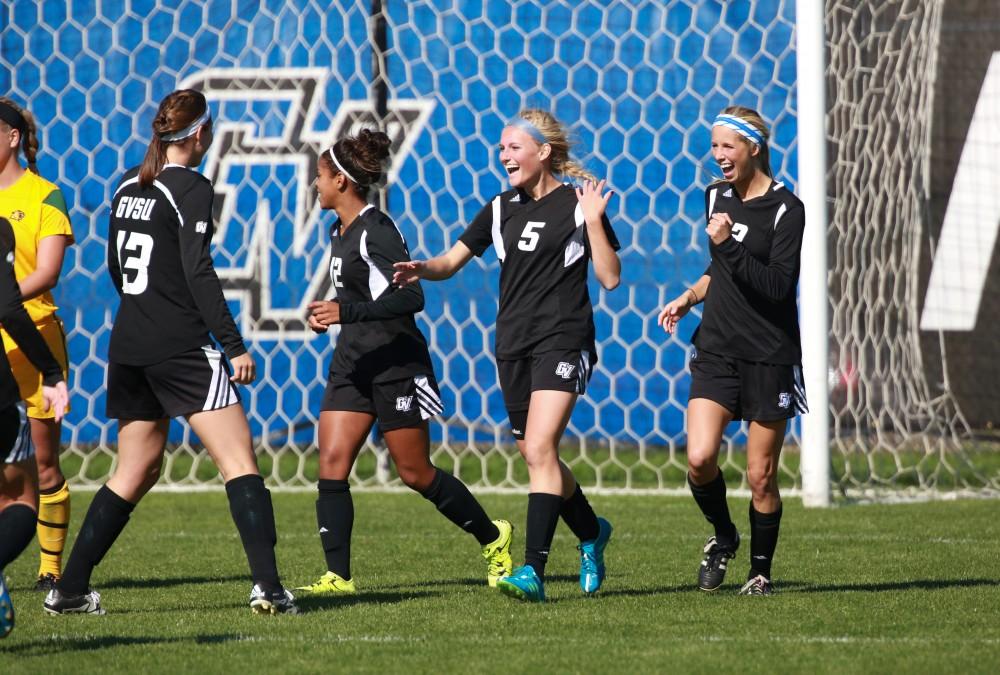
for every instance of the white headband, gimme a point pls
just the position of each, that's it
(340, 167)
(188, 131)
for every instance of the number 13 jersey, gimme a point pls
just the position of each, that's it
(160, 262)
(543, 250)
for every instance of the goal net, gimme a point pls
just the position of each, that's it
(638, 82)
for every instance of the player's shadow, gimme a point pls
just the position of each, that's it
(642, 592)
(313, 603)
(47, 646)
(167, 582)
(473, 581)
(881, 587)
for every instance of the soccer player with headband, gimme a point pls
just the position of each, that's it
(545, 233)
(746, 364)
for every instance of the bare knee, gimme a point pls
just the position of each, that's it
(763, 481)
(417, 475)
(539, 454)
(703, 466)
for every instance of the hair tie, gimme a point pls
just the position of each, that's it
(189, 130)
(528, 128)
(740, 126)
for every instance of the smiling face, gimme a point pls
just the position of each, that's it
(734, 154)
(326, 185)
(522, 157)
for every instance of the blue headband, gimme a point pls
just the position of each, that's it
(741, 127)
(528, 128)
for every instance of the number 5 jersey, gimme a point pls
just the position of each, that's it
(543, 250)
(160, 262)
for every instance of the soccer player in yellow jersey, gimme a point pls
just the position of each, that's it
(37, 212)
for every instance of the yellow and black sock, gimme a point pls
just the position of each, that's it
(53, 521)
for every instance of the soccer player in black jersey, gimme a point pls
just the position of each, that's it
(381, 369)
(747, 361)
(162, 362)
(18, 473)
(544, 233)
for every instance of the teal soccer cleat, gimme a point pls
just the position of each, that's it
(523, 584)
(592, 558)
(6, 610)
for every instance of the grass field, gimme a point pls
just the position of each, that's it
(912, 588)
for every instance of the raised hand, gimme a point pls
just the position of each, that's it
(720, 227)
(593, 200)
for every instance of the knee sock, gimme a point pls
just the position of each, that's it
(457, 504)
(335, 518)
(543, 516)
(106, 518)
(711, 499)
(250, 505)
(17, 527)
(763, 540)
(53, 521)
(579, 516)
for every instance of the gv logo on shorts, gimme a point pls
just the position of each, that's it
(784, 400)
(565, 370)
(404, 403)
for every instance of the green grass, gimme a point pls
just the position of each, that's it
(871, 588)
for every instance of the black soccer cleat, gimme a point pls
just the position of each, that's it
(88, 603)
(712, 572)
(277, 602)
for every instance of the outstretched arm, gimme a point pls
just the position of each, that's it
(436, 269)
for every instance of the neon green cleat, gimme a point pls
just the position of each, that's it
(497, 554)
(330, 583)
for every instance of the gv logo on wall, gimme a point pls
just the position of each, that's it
(271, 239)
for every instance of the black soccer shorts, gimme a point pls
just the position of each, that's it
(397, 404)
(762, 392)
(15, 434)
(558, 370)
(192, 381)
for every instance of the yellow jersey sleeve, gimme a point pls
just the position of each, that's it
(55, 217)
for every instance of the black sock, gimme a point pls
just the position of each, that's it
(335, 518)
(711, 499)
(106, 518)
(250, 505)
(579, 516)
(763, 540)
(457, 504)
(17, 529)
(543, 516)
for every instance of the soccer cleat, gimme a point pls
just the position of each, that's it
(330, 583)
(713, 566)
(523, 584)
(592, 557)
(278, 602)
(6, 610)
(497, 554)
(88, 603)
(758, 585)
(46, 582)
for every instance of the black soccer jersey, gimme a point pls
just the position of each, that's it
(160, 262)
(543, 250)
(15, 319)
(379, 339)
(750, 311)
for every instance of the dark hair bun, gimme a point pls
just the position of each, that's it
(366, 152)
